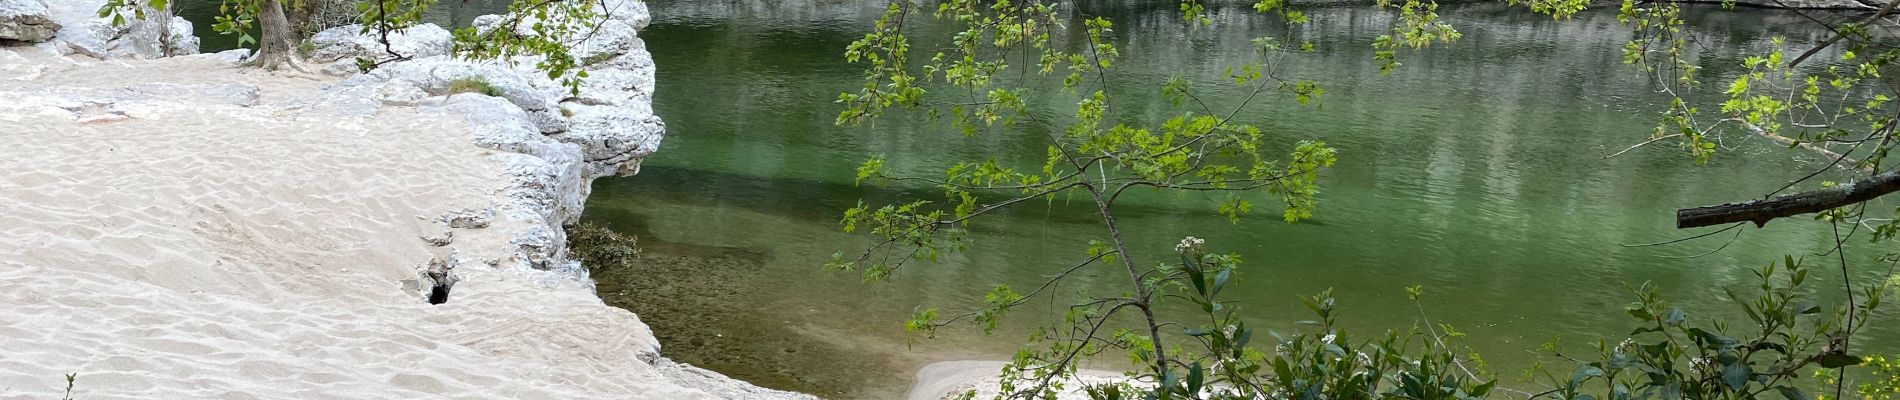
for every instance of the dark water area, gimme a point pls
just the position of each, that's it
(1476, 170)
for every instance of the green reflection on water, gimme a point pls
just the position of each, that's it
(1475, 170)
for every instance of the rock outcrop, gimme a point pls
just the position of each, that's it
(78, 29)
(346, 42)
(26, 21)
(554, 140)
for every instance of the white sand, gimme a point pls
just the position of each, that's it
(179, 244)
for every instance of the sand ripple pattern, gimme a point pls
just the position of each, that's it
(176, 229)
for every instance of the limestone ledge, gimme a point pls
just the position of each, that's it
(551, 141)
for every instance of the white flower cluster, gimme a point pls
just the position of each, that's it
(1189, 243)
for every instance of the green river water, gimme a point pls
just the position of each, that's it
(1475, 170)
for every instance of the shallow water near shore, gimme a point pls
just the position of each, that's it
(1475, 170)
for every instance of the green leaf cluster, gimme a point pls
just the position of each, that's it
(1669, 357)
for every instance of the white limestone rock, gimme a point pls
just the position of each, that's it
(339, 69)
(633, 12)
(348, 42)
(469, 218)
(148, 39)
(553, 141)
(537, 247)
(438, 238)
(435, 74)
(614, 138)
(548, 179)
(495, 124)
(26, 21)
(608, 39)
(83, 32)
(400, 93)
(624, 79)
(232, 56)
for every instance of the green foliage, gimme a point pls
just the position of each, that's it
(985, 79)
(1096, 153)
(1221, 359)
(69, 386)
(239, 18)
(1885, 379)
(596, 246)
(473, 85)
(1818, 108)
(117, 9)
(1669, 357)
(1418, 27)
(544, 31)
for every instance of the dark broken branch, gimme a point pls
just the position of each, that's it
(1761, 211)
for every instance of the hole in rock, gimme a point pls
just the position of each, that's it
(439, 293)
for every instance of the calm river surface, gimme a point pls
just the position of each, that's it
(1475, 170)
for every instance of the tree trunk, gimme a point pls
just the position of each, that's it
(274, 47)
(164, 17)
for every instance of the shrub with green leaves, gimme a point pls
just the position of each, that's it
(1218, 358)
(598, 246)
(1784, 337)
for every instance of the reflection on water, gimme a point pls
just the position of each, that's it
(1475, 170)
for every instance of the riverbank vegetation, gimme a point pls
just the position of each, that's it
(1005, 54)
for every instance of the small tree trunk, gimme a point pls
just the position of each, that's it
(165, 30)
(274, 47)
